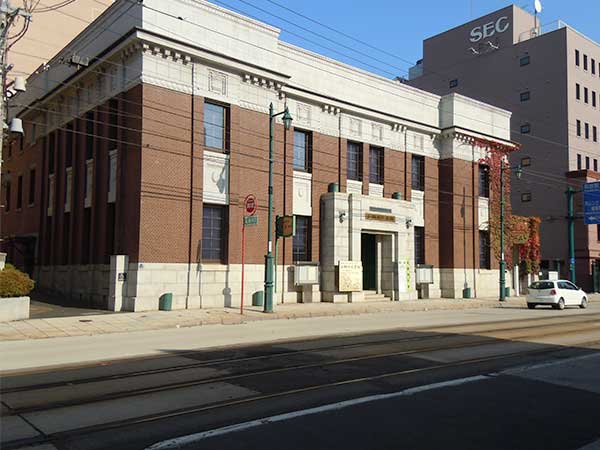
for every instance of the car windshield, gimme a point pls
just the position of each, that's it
(542, 285)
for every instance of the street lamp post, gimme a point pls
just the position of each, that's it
(287, 122)
(518, 172)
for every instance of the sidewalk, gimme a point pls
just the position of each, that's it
(88, 325)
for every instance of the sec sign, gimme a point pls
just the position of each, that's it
(250, 204)
(489, 29)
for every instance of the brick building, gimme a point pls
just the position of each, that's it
(130, 179)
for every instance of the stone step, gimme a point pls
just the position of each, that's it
(372, 296)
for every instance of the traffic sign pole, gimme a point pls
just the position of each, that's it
(243, 261)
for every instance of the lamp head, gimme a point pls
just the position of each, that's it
(519, 172)
(287, 119)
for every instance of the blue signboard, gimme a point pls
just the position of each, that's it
(591, 203)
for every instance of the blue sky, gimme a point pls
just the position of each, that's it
(395, 27)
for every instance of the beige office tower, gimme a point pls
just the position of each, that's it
(51, 28)
(549, 77)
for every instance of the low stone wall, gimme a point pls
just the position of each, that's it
(14, 308)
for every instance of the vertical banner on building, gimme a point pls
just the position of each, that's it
(591, 203)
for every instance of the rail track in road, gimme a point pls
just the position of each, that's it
(585, 323)
(436, 332)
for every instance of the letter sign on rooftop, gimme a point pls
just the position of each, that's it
(489, 29)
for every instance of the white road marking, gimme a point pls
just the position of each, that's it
(591, 446)
(519, 369)
(193, 438)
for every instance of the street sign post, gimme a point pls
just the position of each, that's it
(250, 206)
(591, 203)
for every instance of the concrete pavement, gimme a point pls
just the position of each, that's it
(91, 324)
(34, 354)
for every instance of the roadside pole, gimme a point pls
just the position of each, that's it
(571, 230)
(250, 206)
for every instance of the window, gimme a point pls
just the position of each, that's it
(598, 232)
(526, 197)
(215, 126)
(69, 145)
(214, 233)
(578, 127)
(419, 245)
(586, 95)
(595, 165)
(484, 181)
(585, 62)
(89, 135)
(376, 165)
(595, 133)
(594, 99)
(525, 96)
(20, 192)
(355, 161)
(453, 83)
(578, 162)
(587, 130)
(301, 244)
(418, 173)
(593, 64)
(577, 57)
(302, 153)
(526, 128)
(484, 250)
(21, 143)
(113, 122)
(7, 198)
(587, 163)
(577, 91)
(526, 161)
(31, 187)
(524, 61)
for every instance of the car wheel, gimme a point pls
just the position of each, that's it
(531, 305)
(583, 304)
(561, 304)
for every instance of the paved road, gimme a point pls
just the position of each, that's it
(525, 383)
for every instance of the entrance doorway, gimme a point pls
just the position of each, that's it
(368, 251)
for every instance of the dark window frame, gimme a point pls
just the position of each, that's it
(19, 192)
(526, 197)
(526, 128)
(453, 83)
(586, 95)
(7, 195)
(376, 156)
(302, 240)
(225, 133)
(587, 163)
(577, 58)
(215, 254)
(578, 126)
(587, 130)
(526, 161)
(577, 91)
(306, 166)
(525, 96)
(419, 245)
(524, 60)
(578, 162)
(485, 259)
(353, 173)
(484, 181)
(417, 180)
(585, 62)
(32, 183)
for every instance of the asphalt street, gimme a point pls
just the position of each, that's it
(526, 383)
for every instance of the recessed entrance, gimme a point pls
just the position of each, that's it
(368, 251)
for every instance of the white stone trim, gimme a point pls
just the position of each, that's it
(216, 178)
(375, 190)
(302, 199)
(483, 213)
(354, 187)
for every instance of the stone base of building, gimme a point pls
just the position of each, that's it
(482, 283)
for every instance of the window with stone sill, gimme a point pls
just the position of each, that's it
(302, 150)
(419, 245)
(216, 126)
(376, 165)
(418, 173)
(354, 161)
(484, 181)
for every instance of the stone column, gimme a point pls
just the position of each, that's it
(117, 281)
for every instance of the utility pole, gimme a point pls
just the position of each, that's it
(8, 16)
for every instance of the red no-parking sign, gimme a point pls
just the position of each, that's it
(250, 204)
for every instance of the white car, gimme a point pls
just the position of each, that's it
(558, 293)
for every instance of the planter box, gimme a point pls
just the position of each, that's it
(14, 308)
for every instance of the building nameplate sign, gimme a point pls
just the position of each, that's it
(350, 276)
(380, 217)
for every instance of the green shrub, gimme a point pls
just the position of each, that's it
(14, 283)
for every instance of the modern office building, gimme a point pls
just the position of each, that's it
(130, 180)
(549, 77)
